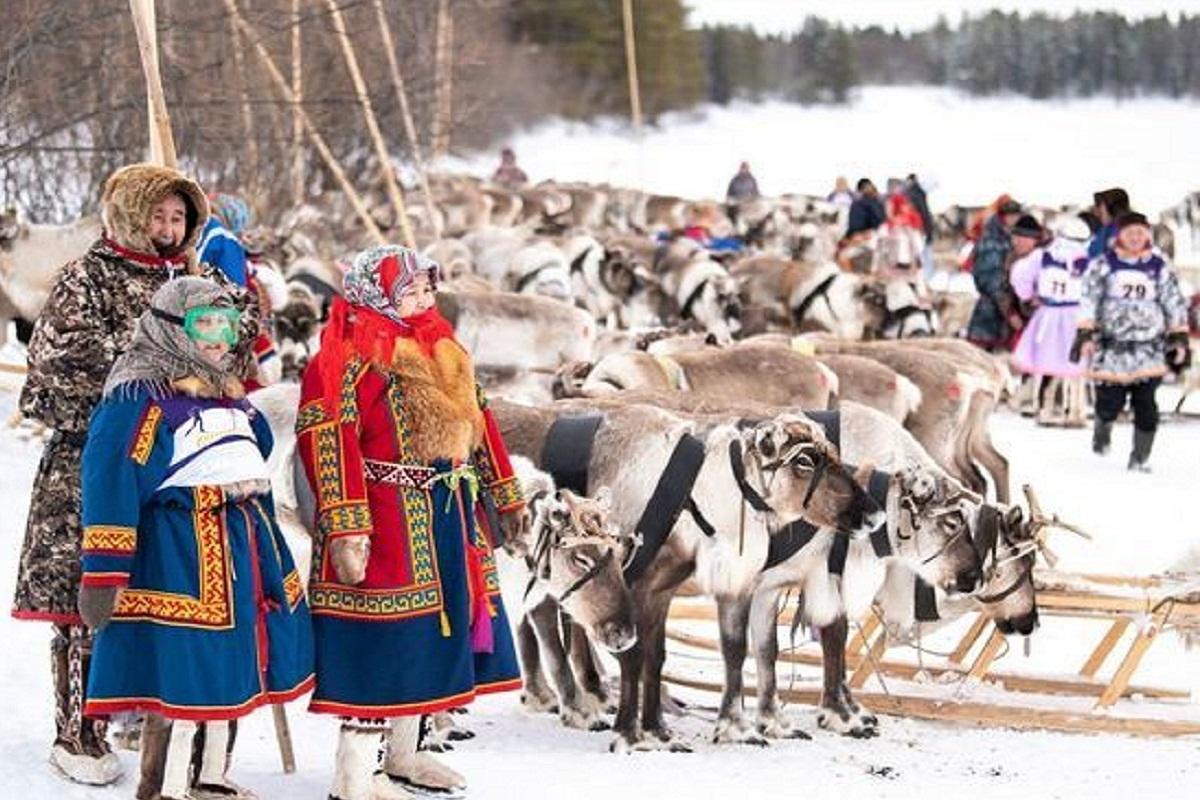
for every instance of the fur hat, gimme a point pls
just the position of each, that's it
(130, 195)
(1027, 226)
(1132, 218)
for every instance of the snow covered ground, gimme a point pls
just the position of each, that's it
(1141, 523)
(969, 149)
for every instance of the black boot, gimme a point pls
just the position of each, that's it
(1101, 437)
(1142, 442)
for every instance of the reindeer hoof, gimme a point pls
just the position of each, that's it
(457, 734)
(539, 703)
(855, 724)
(599, 726)
(733, 731)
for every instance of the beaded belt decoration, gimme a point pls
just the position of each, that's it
(410, 475)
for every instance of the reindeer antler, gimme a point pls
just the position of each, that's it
(1042, 524)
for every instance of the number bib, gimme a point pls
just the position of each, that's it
(1132, 284)
(1056, 285)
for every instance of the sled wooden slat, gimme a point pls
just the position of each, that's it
(1102, 651)
(905, 670)
(1133, 658)
(863, 635)
(969, 639)
(990, 650)
(978, 714)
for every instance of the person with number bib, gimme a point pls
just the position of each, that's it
(1049, 278)
(1133, 326)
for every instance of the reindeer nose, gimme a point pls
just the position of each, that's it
(969, 580)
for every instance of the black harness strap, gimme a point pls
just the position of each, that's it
(530, 277)
(820, 290)
(925, 602)
(671, 495)
(986, 535)
(577, 262)
(567, 451)
(583, 579)
(878, 487)
(749, 493)
(685, 311)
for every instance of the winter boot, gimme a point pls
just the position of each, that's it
(415, 769)
(211, 781)
(1101, 437)
(355, 775)
(179, 761)
(1138, 458)
(80, 752)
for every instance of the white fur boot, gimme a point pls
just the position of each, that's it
(212, 784)
(418, 770)
(179, 761)
(84, 768)
(355, 776)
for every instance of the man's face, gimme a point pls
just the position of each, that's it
(168, 224)
(1023, 245)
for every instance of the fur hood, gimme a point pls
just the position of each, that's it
(130, 194)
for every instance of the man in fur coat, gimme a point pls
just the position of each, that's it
(152, 216)
(412, 484)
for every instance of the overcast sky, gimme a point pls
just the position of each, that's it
(776, 16)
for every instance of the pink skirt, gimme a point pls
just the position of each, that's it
(1045, 345)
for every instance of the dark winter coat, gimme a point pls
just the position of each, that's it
(742, 187)
(916, 193)
(866, 214)
(988, 326)
(86, 323)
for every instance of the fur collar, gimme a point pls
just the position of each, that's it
(440, 394)
(194, 386)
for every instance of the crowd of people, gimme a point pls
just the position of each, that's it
(152, 544)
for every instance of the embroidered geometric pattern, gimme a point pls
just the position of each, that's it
(109, 538)
(411, 475)
(506, 493)
(310, 414)
(350, 518)
(143, 439)
(484, 466)
(293, 590)
(328, 446)
(213, 608)
(337, 600)
(355, 369)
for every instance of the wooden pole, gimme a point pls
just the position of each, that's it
(410, 130)
(298, 193)
(283, 737)
(364, 101)
(443, 63)
(248, 132)
(339, 174)
(162, 143)
(635, 98)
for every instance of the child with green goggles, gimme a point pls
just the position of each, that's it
(212, 324)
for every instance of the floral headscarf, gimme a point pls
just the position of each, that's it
(379, 273)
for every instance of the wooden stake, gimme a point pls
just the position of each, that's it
(1100, 654)
(968, 641)
(443, 63)
(283, 736)
(318, 141)
(162, 143)
(635, 98)
(990, 650)
(410, 130)
(298, 193)
(364, 102)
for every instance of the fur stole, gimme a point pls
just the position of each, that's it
(440, 394)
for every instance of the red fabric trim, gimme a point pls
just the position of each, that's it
(101, 709)
(105, 579)
(148, 259)
(48, 616)
(516, 684)
(403, 710)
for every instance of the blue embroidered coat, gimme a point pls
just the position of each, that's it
(211, 620)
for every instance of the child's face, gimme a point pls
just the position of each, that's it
(415, 298)
(213, 331)
(1134, 238)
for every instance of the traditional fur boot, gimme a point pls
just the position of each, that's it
(211, 781)
(178, 763)
(356, 775)
(1143, 441)
(80, 751)
(417, 769)
(1101, 437)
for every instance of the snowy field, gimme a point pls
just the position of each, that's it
(1142, 523)
(969, 150)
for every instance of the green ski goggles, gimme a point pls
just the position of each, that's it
(211, 324)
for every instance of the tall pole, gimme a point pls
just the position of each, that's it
(410, 130)
(635, 99)
(443, 65)
(281, 85)
(297, 123)
(162, 143)
(364, 101)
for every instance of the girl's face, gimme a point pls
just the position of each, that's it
(1134, 238)
(213, 331)
(415, 298)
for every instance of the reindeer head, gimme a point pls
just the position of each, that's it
(1008, 557)
(297, 330)
(577, 555)
(799, 474)
(934, 518)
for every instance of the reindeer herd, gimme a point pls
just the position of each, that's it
(737, 426)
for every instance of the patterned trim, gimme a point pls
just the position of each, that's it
(378, 605)
(354, 517)
(310, 415)
(356, 368)
(214, 607)
(394, 710)
(109, 539)
(330, 464)
(108, 706)
(507, 494)
(413, 476)
(293, 589)
(143, 439)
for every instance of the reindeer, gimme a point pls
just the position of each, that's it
(574, 558)
(747, 481)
